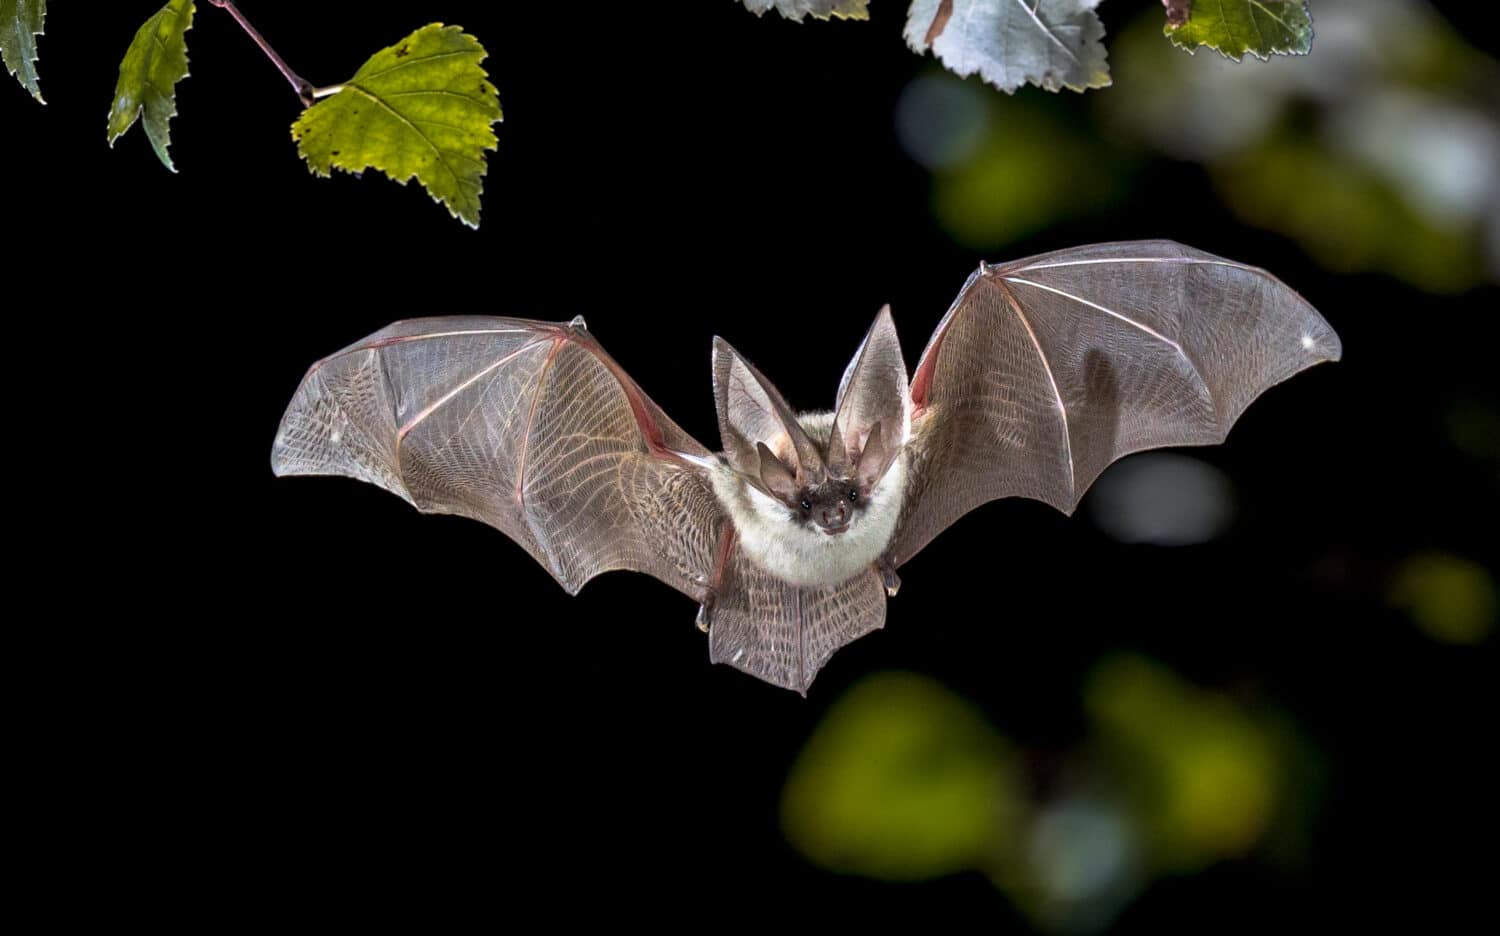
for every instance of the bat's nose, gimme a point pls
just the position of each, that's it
(835, 520)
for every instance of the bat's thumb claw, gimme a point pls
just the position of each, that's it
(578, 324)
(705, 616)
(888, 577)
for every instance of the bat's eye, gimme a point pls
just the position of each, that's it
(806, 504)
(853, 496)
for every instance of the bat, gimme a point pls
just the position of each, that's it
(1042, 373)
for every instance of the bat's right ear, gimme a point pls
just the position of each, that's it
(873, 394)
(752, 411)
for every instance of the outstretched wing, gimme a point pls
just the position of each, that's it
(527, 426)
(1047, 369)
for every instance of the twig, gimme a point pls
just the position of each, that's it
(302, 86)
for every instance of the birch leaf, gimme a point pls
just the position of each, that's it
(147, 89)
(1262, 28)
(819, 9)
(20, 24)
(422, 107)
(1053, 44)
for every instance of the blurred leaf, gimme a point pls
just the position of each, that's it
(902, 780)
(1164, 499)
(147, 89)
(819, 9)
(1031, 170)
(423, 107)
(20, 23)
(1474, 428)
(940, 120)
(1261, 28)
(1083, 865)
(1204, 774)
(1053, 44)
(1453, 600)
(1295, 186)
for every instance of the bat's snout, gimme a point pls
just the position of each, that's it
(834, 520)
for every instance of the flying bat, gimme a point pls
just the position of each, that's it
(1042, 373)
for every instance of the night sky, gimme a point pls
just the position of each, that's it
(299, 699)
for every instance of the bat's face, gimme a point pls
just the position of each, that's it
(831, 507)
(824, 469)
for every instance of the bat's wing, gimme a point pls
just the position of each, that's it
(1047, 369)
(527, 426)
(784, 634)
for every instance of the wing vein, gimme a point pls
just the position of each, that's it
(526, 433)
(1190, 260)
(435, 405)
(1062, 408)
(1197, 374)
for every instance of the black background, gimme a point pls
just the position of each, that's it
(299, 699)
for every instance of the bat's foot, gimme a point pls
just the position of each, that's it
(705, 616)
(888, 576)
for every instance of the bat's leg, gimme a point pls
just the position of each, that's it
(888, 576)
(705, 618)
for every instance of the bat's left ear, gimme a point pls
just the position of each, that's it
(873, 393)
(751, 410)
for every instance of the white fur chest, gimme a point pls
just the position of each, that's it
(775, 539)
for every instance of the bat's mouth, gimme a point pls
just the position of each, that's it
(834, 530)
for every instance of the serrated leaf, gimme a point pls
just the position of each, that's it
(819, 9)
(20, 23)
(147, 89)
(1053, 44)
(422, 107)
(1262, 28)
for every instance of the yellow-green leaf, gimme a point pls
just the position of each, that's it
(1234, 27)
(903, 781)
(422, 107)
(154, 63)
(20, 24)
(818, 9)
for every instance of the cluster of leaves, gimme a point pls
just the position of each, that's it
(903, 780)
(1057, 44)
(422, 108)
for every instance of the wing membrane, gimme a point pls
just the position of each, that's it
(526, 426)
(1046, 370)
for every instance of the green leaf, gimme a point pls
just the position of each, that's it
(819, 9)
(422, 107)
(1234, 27)
(903, 780)
(154, 63)
(1053, 44)
(20, 24)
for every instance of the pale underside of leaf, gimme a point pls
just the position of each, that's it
(20, 23)
(1053, 44)
(1234, 28)
(147, 89)
(423, 107)
(818, 9)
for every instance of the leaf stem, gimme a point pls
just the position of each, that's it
(302, 86)
(328, 91)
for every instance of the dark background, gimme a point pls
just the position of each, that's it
(301, 699)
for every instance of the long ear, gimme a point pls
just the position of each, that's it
(751, 411)
(873, 393)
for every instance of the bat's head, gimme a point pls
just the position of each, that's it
(825, 468)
